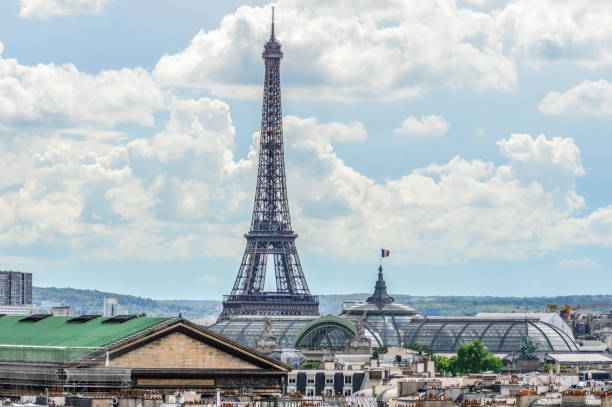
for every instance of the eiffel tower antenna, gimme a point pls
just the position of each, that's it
(272, 34)
(271, 234)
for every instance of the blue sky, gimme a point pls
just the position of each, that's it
(469, 137)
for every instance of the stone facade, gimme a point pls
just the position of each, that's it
(178, 350)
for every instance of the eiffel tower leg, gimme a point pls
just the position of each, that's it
(252, 273)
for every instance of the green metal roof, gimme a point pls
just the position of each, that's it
(54, 339)
(325, 321)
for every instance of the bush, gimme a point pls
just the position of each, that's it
(420, 348)
(380, 351)
(311, 364)
(583, 367)
(470, 358)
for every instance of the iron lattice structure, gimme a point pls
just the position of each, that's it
(271, 233)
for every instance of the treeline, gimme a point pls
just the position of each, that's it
(469, 305)
(91, 302)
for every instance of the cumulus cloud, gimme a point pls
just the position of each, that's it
(588, 99)
(44, 9)
(155, 197)
(582, 263)
(183, 193)
(360, 51)
(552, 30)
(447, 212)
(47, 93)
(553, 163)
(348, 51)
(433, 126)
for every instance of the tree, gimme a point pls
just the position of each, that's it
(380, 351)
(528, 348)
(419, 348)
(546, 367)
(311, 364)
(442, 363)
(474, 358)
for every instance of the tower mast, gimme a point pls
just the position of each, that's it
(271, 234)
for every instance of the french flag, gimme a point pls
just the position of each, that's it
(384, 253)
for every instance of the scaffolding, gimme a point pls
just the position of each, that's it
(65, 367)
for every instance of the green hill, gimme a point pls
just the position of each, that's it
(468, 305)
(91, 301)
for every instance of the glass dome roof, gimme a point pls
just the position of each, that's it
(328, 332)
(384, 319)
(246, 330)
(498, 335)
(289, 356)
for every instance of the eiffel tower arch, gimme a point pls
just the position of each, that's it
(271, 235)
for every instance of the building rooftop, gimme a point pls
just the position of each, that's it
(384, 319)
(499, 334)
(55, 339)
(549, 317)
(246, 330)
(580, 358)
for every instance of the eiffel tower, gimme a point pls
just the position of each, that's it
(271, 234)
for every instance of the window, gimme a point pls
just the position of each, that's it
(348, 379)
(292, 380)
(329, 380)
(309, 392)
(310, 380)
(348, 391)
(329, 392)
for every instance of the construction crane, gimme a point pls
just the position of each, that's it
(567, 309)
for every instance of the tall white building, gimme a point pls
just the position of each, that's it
(111, 307)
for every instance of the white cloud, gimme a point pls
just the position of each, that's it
(361, 51)
(47, 93)
(183, 193)
(44, 9)
(558, 30)
(432, 125)
(100, 197)
(553, 163)
(355, 51)
(592, 229)
(441, 213)
(588, 99)
(582, 263)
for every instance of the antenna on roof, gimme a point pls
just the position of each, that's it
(272, 36)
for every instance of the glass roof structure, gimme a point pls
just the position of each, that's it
(289, 356)
(328, 332)
(387, 322)
(384, 319)
(498, 335)
(246, 330)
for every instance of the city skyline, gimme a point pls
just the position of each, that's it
(470, 138)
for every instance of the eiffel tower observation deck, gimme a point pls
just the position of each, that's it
(271, 236)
